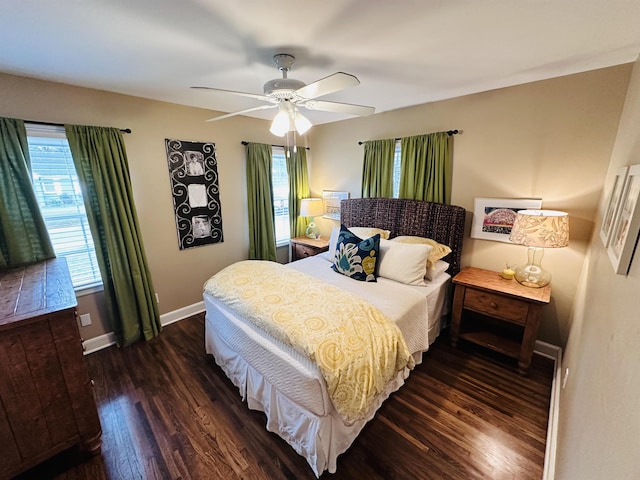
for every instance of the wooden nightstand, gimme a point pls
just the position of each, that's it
(302, 247)
(496, 313)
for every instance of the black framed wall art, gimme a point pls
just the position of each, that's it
(193, 169)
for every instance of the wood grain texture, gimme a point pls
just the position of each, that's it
(46, 400)
(32, 291)
(303, 247)
(496, 313)
(493, 281)
(168, 411)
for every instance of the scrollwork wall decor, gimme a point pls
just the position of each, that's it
(193, 169)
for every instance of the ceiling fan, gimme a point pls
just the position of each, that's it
(288, 94)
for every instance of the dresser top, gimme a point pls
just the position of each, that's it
(34, 290)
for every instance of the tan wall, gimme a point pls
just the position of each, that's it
(599, 423)
(177, 275)
(550, 139)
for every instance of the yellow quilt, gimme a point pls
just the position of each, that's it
(357, 349)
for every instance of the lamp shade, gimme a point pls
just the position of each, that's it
(302, 123)
(311, 207)
(281, 123)
(541, 228)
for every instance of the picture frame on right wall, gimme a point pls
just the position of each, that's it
(626, 226)
(613, 204)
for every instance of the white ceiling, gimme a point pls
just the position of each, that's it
(404, 52)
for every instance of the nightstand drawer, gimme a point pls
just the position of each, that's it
(510, 309)
(303, 251)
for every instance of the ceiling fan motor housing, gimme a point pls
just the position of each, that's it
(282, 88)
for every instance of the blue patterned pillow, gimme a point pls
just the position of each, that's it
(355, 257)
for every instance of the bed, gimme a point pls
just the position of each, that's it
(284, 383)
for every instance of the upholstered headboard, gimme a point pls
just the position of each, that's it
(443, 223)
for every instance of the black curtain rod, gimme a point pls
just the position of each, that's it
(123, 130)
(245, 143)
(449, 132)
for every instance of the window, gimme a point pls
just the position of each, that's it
(57, 190)
(396, 169)
(280, 181)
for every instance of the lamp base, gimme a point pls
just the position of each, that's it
(312, 231)
(532, 274)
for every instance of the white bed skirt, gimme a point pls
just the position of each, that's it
(317, 438)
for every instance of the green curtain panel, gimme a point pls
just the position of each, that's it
(101, 161)
(377, 170)
(425, 169)
(23, 235)
(262, 233)
(298, 189)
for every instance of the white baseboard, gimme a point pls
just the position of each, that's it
(181, 313)
(554, 352)
(98, 343)
(103, 341)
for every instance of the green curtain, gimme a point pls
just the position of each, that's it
(23, 235)
(298, 189)
(377, 170)
(101, 162)
(262, 233)
(425, 169)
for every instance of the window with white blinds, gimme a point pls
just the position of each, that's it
(280, 182)
(57, 190)
(397, 156)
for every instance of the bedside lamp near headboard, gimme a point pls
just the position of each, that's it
(538, 229)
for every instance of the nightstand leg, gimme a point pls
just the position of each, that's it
(456, 314)
(529, 338)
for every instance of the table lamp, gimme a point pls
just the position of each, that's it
(538, 229)
(311, 207)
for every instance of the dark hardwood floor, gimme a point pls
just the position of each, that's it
(168, 412)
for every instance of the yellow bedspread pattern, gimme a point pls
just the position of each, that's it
(357, 349)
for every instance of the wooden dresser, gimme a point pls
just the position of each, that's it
(46, 397)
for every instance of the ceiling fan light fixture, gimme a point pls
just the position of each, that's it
(281, 123)
(302, 123)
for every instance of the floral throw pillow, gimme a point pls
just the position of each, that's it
(355, 257)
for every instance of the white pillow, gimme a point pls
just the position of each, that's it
(333, 240)
(438, 269)
(403, 262)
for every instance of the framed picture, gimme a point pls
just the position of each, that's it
(193, 171)
(493, 217)
(613, 205)
(626, 225)
(332, 200)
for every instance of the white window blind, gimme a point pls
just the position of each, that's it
(57, 190)
(280, 182)
(396, 169)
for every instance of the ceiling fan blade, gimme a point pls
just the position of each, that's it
(358, 110)
(333, 83)
(261, 107)
(240, 94)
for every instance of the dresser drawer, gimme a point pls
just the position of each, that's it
(498, 306)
